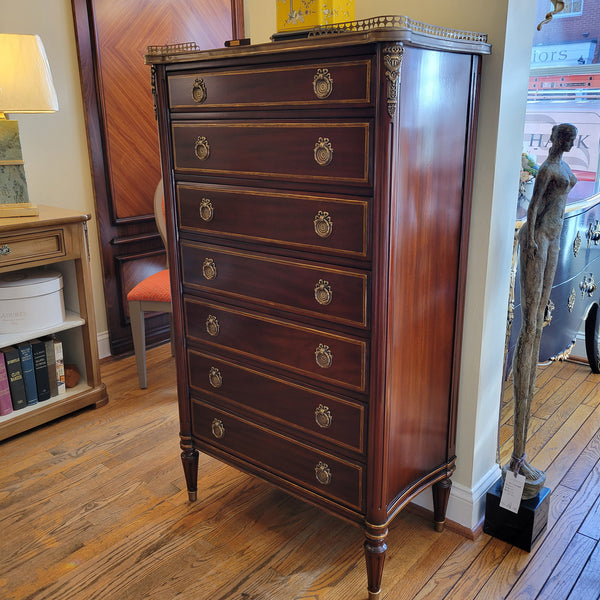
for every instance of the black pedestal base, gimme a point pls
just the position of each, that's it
(520, 529)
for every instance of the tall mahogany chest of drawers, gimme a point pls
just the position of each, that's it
(317, 198)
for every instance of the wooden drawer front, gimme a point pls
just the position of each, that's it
(330, 419)
(313, 85)
(31, 247)
(318, 223)
(317, 290)
(274, 150)
(279, 343)
(276, 453)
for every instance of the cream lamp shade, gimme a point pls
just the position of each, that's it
(25, 87)
(25, 79)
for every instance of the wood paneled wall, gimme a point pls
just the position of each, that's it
(112, 37)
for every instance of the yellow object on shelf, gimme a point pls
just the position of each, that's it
(293, 15)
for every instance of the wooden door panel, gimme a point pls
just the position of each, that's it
(112, 37)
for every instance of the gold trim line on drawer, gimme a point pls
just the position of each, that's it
(209, 271)
(202, 125)
(208, 74)
(206, 191)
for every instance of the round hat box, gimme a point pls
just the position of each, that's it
(31, 300)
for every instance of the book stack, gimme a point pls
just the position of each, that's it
(31, 372)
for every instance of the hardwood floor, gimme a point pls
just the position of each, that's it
(93, 507)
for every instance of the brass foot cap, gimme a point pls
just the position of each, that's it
(192, 496)
(439, 525)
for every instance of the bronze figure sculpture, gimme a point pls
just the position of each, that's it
(539, 249)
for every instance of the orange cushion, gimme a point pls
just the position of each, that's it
(155, 288)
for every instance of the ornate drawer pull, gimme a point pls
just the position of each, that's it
(4, 250)
(323, 356)
(323, 473)
(577, 244)
(323, 292)
(215, 378)
(218, 429)
(594, 233)
(206, 210)
(199, 90)
(323, 152)
(212, 325)
(202, 148)
(323, 84)
(571, 300)
(323, 224)
(323, 416)
(588, 286)
(209, 269)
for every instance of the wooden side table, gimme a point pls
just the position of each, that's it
(56, 238)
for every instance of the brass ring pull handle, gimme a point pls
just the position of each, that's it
(212, 325)
(217, 428)
(323, 416)
(323, 224)
(323, 356)
(209, 269)
(323, 292)
(202, 148)
(199, 90)
(215, 378)
(207, 211)
(323, 152)
(4, 250)
(322, 84)
(323, 473)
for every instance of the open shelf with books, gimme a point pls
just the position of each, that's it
(54, 240)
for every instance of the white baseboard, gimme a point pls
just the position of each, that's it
(466, 506)
(103, 344)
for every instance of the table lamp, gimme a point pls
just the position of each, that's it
(25, 87)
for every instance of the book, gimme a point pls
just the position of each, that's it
(40, 368)
(28, 372)
(60, 367)
(6, 406)
(12, 360)
(51, 362)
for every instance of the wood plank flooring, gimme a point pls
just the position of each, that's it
(93, 507)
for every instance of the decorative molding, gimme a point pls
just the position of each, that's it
(392, 58)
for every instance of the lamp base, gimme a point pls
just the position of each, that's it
(20, 209)
(13, 185)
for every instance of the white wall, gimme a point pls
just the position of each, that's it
(55, 148)
(57, 166)
(509, 25)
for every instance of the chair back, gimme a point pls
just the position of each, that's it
(159, 211)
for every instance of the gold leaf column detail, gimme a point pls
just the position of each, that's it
(392, 58)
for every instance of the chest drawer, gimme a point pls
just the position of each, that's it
(321, 152)
(335, 359)
(301, 85)
(322, 291)
(299, 463)
(314, 223)
(328, 418)
(25, 248)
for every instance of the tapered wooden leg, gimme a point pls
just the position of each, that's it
(441, 493)
(189, 458)
(375, 548)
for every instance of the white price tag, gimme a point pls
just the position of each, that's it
(512, 491)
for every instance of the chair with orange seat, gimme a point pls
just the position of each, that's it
(152, 294)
